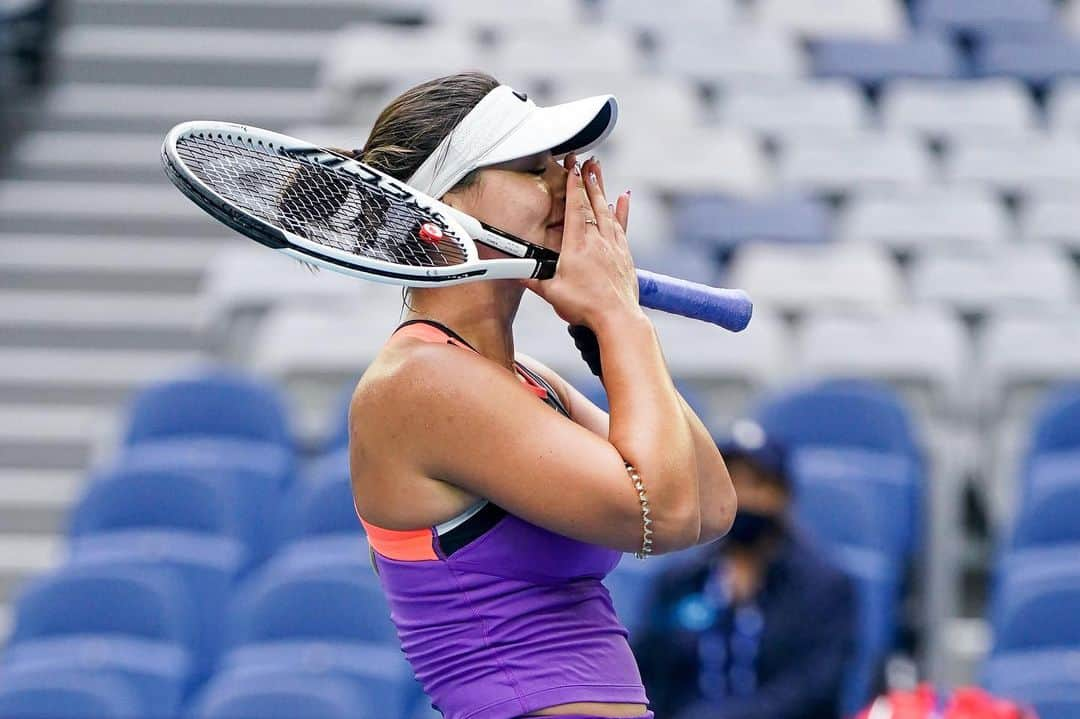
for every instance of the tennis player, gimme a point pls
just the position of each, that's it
(494, 495)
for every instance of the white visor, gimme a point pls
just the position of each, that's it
(505, 126)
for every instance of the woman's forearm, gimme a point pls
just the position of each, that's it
(716, 494)
(648, 426)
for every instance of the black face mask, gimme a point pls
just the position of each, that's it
(750, 527)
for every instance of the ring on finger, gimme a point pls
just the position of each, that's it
(591, 221)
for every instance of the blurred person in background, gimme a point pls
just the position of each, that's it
(758, 625)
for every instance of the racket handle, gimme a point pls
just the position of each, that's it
(730, 309)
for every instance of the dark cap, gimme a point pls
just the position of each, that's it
(748, 440)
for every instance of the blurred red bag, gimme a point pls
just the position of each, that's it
(923, 703)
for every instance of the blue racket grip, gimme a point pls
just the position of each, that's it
(730, 309)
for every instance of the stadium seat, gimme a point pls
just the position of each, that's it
(839, 163)
(496, 15)
(946, 110)
(699, 161)
(1036, 61)
(322, 502)
(1020, 165)
(1036, 599)
(161, 498)
(883, 486)
(646, 103)
(280, 695)
(1048, 515)
(68, 695)
(161, 672)
(806, 279)
(685, 260)
(528, 55)
(1057, 426)
(987, 17)
(727, 54)
(216, 404)
(723, 224)
(1053, 221)
(632, 582)
(726, 369)
(892, 347)
(1047, 680)
(853, 414)
(208, 566)
(641, 15)
(274, 605)
(1010, 277)
(957, 219)
(872, 62)
(828, 18)
(777, 108)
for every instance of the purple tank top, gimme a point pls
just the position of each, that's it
(499, 617)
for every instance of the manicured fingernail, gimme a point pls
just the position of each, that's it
(628, 193)
(577, 169)
(592, 177)
(611, 206)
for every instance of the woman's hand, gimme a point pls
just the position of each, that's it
(595, 278)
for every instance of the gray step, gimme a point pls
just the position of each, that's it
(189, 56)
(89, 377)
(23, 556)
(122, 209)
(100, 320)
(265, 14)
(6, 622)
(51, 436)
(36, 501)
(141, 108)
(63, 156)
(104, 264)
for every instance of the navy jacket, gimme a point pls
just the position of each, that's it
(784, 658)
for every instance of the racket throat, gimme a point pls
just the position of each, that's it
(546, 260)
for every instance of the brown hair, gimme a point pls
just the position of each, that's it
(416, 121)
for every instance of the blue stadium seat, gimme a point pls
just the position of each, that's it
(1036, 61)
(1047, 680)
(877, 594)
(871, 62)
(209, 567)
(259, 474)
(723, 224)
(1048, 514)
(68, 695)
(161, 672)
(339, 424)
(322, 503)
(629, 585)
(995, 18)
(887, 482)
(841, 413)
(91, 599)
(276, 603)
(1037, 600)
(124, 498)
(283, 696)
(1057, 426)
(217, 404)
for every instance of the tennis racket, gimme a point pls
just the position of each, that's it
(322, 208)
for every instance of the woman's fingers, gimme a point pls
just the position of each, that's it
(622, 209)
(601, 212)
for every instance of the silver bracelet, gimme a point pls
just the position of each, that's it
(646, 522)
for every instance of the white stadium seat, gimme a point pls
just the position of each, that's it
(497, 14)
(527, 55)
(948, 110)
(1008, 278)
(892, 347)
(834, 18)
(730, 53)
(779, 107)
(701, 160)
(843, 162)
(1020, 165)
(643, 15)
(1052, 221)
(926, 220)
(1063, 107)
(802, 279)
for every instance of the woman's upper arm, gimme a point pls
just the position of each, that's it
(464, 421)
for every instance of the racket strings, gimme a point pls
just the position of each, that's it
(331, 208)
